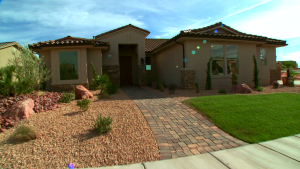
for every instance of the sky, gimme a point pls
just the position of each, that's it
(32, 21)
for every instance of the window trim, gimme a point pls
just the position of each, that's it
(225, 61)
(79, 67)
(266, 57)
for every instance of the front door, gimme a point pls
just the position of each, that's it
(126, 70)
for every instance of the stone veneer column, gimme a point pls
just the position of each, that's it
(187, 78)
(113, 72)
(142, 75)
(67, 87)
(273, 75)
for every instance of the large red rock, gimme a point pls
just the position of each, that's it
(242, 88)
(82, 93)
(18, 111)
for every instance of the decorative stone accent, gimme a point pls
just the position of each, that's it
(142, 75)
(273, 76)
(113, 73)
(187, 79)
(241, 88)
(82, 93)
(67, 87)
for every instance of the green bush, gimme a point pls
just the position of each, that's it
(102, 124)
(99, 81)
(67, 97)
(255, 73)
(111, 88)
(159, 84)
(234, 79)
(223, 91)
(260, 88)
(208, 76)
(172, 88)
(197, 87)
(161, 87)
(84, 104)
(23, 133)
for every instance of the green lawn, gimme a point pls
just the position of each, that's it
(252, 118)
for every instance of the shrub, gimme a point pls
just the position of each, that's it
(23, 133)
(99, 81)
(275, 85)
(84, 104)
(197, 87)
(234, 79)
(223, 91)
(260, 88)
(67, 97)
(161, 86)
(111, 88)
(208, 76)
(172, 88)
(154, 84)
(255, 73)
(102, 124)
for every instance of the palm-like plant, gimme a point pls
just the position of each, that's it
(287, 66)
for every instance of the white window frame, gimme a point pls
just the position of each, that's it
(260, 57)
(79, 66)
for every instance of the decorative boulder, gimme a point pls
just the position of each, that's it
(20, 110)
(82, 93)
(242, 88)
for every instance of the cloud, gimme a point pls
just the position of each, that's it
(295, 56)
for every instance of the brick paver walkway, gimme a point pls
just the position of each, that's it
(179, 130)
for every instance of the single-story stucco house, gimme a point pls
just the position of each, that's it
(129, 58)
(6, 52)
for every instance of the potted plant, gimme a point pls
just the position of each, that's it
(275, 85)
(288, 80)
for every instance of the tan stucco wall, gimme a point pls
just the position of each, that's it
(121, 37)
(166, 62)
(94, 56)
(47, 60)
(5, 55)
(167, 59)
(82, 66)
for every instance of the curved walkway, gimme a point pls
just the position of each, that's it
(179, 130)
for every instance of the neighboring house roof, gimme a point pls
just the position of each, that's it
(151, 44)
(237, 35)
(69, 41)
(120, 28)
(8, 44)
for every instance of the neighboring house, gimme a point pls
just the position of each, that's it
(130, 59)
(6, 51)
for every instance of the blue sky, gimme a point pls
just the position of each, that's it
(40, 20)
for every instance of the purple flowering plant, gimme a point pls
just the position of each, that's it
(275, 85)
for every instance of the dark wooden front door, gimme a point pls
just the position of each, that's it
(126, 70)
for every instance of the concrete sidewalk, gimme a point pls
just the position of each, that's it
(279, 153)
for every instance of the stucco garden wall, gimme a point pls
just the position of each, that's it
(166, 62)
(5, 55)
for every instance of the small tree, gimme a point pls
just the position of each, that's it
(234, 79)
(30, 70)
(255, 73)
(208, 76)
(288, 66)
(99, 81)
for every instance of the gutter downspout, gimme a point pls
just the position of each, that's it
(183, 52)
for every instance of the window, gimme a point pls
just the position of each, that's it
(148, 63)
(263, 56)
(232, 59)
(217, 54)
(219, 61)
(68, 65)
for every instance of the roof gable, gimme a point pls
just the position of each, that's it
(7, 44)
(218, 26)
(151, 44)
(122, 28)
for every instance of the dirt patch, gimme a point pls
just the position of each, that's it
(67, 136)
(183, 94)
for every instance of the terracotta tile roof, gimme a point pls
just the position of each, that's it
(123, 27)
(151, 44)
(238, 36)
(7, 44)
(216, 25)
(69, 41)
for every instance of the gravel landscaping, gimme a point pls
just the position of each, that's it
(66, 136)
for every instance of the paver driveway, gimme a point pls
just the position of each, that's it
(179, 130)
